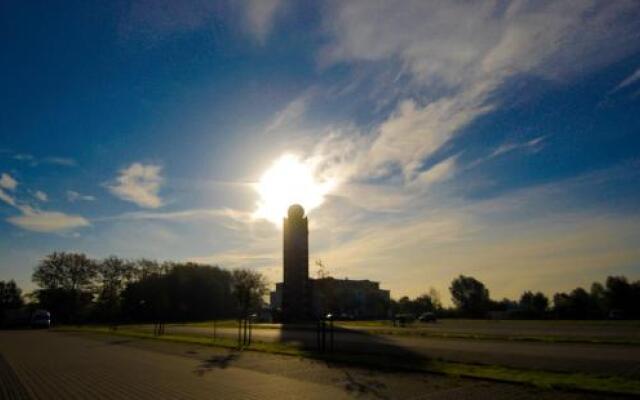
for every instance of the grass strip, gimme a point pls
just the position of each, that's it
(543, 379)
(380, 329)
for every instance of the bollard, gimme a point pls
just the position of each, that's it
(331, 335)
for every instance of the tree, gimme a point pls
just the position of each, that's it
(322, 270)
(145, 267)
(435, 298)
(424, 303)
(576, 305)
(618, 293)
(70, 271)
(504, 305)
(248, 288)
(67, 284)
(533, 305)
(186, 292)
(113, 274)
(599, 298)
(10, 297)
(470, 296)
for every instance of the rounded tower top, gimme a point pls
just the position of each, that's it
(296, 211)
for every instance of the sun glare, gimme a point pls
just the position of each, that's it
(288, 181)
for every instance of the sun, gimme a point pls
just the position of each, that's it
(289, 180)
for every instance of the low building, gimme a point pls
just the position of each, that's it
(344, 298)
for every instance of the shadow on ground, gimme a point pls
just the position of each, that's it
(348, 342)
(217, 362)
(353, 347)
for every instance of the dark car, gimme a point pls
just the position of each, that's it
(427, 317)
(41, 319)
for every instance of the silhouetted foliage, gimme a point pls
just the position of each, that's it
(113, 274)
(470, 296)
(10, 297)
(66, 281)
(622, 297)
(427, 302)
(76, 288)
(248, 288)
(186, 292)
(576, 305)
(533, 305)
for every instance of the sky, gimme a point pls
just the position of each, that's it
(496, 139)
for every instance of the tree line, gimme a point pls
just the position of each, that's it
(616, 298)
(78, 289)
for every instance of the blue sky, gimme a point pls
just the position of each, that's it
(497, 139)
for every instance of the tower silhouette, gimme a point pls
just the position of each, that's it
(295, 295)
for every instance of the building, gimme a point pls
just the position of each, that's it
(344, 298)
(299, 298)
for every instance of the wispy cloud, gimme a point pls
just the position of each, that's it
(466, 53)
(631, 79)
(260, 15)
(7, 182)
(34, 161)
(140, 184)
(73, 196)
(7, 198)
(157, 19)
(437, 173)
(185, 215)
(64, 161)
(37, 220)
(47, 221)
(40, 195)
(533, 144)
(539, 233)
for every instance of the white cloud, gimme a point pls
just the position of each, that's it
(139, 184)
(260, 15)
(47, 221)
(40, 195)
(73, 196)
(7, 182)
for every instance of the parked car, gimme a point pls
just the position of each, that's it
(403, 319)
(427, 317)
(41, 319)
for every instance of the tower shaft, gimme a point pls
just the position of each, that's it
(295, 296)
